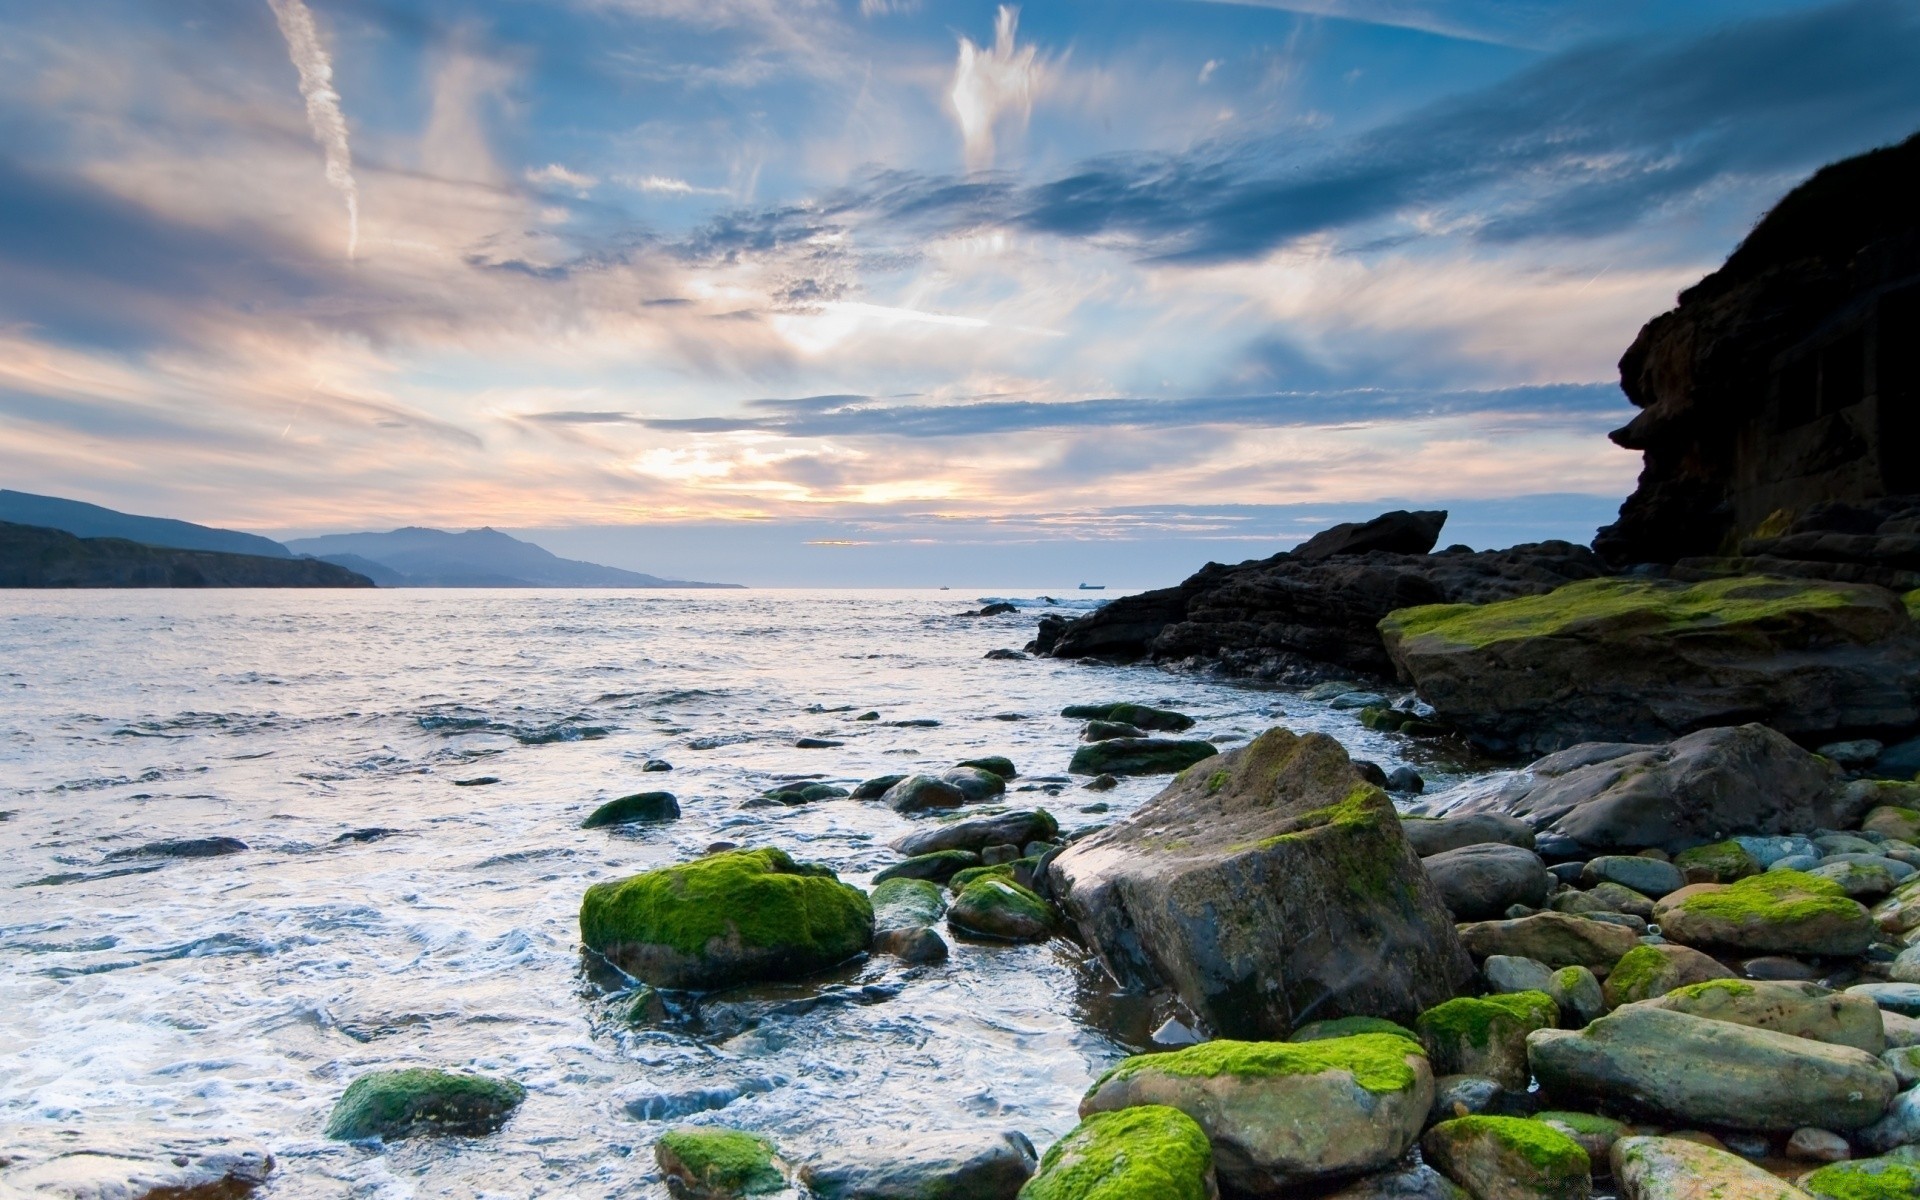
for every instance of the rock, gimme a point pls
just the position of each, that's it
(207, 847)
(1267, 888)
(876, 787)
(1854, 754)
(652, 1104)
(1595, 1135)
(816, 743)
(1004, 654)
(993, 856)
(1397, 532)
(718, 1164)
(1283, 1115)
(1348, 700)
(1402, 1183)
(939, 866)
(1650, 877)
(1370, 772)
(1894, 821)
(1146, 1151)
(1899, 1127)
(1817, 1145)
(1509, 1158)
(1866, 882)
(1405, 780)
(1023, 826)
(907, 904)
(1106, 731)
(107, 1162)
(629, 810)
(974, 783)
(400, 1104)
(1138, 756)
(1616, 898)
(943, 1167)
(1902, 998)
(1507, 974)
(1001, 909)
(1699, 788)
(1648, 971)
(1101, 783)
(1665, 1168)
(1465, 1096)
(733, 917)
(797, 792)
(1437, 835)
(999, 764)
(1768, 851)
(1578, 993)
(1316, 1031)
(1477, 883)
(1900, 1030)
(654, 765)
(1140, 716)
(1553, 938)
(1890, 1178)
(1692, 1069)
(1801, 1009)
(1776, 968)
(1642, 659)
(1780, 912)
(1486, 1036)
(1725, 861)
(919, 793)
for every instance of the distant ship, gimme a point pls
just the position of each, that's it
(1093, 587)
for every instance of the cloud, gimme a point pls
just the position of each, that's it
(992, 85)
(315, 69)
(555, 175)
(669, 185)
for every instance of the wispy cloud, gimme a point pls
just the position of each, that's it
(994, 84)
(315, 68)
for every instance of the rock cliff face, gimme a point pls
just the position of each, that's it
(1788, 379)
(1311, 613)
(33, 557)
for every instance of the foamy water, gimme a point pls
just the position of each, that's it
(383, 916)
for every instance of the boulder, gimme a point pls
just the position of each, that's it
(400, 1104)
(1282, 1115)
(1507, 974)
(1857, 876)
(1900, 998)
(1817, 1145)
(919, 793)
(1509, 1158)
(1486, 1036)
(939, 866)
(628, 810)
(1478, 883)
(1140, 716)
(1725, 861)
(1700, 788)
(1138, 756)
(1694, 1070)
(1661, 1168)
(719, 1164)
(1398, 532)
(939, 1167)
(1641, 659)
(1894, 821)
(1437, 835)
(1556, 939)
(1780, 912)
(977, 784)
(1578, 993)
(1268, 887)
(1648, 876)
(904, 914)
(1106, 731)
(1647, 971)
(1419, 1182)
(1890, 1178)
(876, 787)
(1148, 1150)
(1317, 1031)
(1801, 1009)
(1000, 908)
(977, 833)
(999, 764)
(732, 917)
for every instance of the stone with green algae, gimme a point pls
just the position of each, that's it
(1729, 861)
(1596, 1134)
(1283, 1115)
(1140, 716)
(719, 1164)
(1804, 1010)
(1509, 1158)
(1887, 1178)
(416, 1101)
(1139, 756)
(1000, 908)
(1486, 1036)
(1779, 912)
(1665, 1168)
(1319, 1031)
(727, 918)
(633, 810)
(1648, 971)
(1149, 1150)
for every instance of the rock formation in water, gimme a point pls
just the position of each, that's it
(34, 557)
(1781, 400)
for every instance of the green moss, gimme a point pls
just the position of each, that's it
(1542, 1146)
(1912, 601)
(903, 903)
(1633, 977)
(1369, 870)
(724, 1161)
(1658, 606)
(398, 1104)
(1216, 781)
(1585, 1123)
(1146, 1151)
(963, 879)
(1470, 1020)
(1728, 860)
(1348, 1026)
(1866, 1179)
(763, 896)
(1730, 987)
(1782, 897)
(1377, 1061)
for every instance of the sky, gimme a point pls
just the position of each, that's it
(882, 291)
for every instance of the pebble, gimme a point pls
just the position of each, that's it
(1817, 1145)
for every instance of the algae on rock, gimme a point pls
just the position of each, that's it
(1146, 1151)
(414, 1101)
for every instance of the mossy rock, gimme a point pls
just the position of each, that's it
(999, 764)
(1140, 716)
(1509, 1158)
(630, 810)
(1139, 756)
(1001, 909)
(939, 866)
(905, 903)
(1894, 821)
(1595, 1134)
(1648, 971)
(1798, 1009)
(1338, 1027)
(1728, 860)
(793, 795)
(734, 917)
(977, 784)
(712, 1164)
(1778, 912)
(1865, 1179)
(1669, 1168)
(878, 786)
(1150, 1152)
(402, 1104)
(964, 879)
(1486, 1035)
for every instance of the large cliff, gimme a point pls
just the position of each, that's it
(35, 557)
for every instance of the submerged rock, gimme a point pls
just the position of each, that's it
(1269, 888)
(1146, 1151)
(1140, 716)
(731, 917)
(918, 793)
(628, 810)
(1285, 1114)
(1138, 756)
(944, 1167)
(207, 847)
(402, 1104)
(1405, 1183)
(719, 1164)
(977, 833)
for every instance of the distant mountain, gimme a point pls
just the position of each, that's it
(475, 558)
(33, 556)
(92, 521)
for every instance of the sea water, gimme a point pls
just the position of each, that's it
(383, 915)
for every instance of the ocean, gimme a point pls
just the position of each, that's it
(389, 911)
